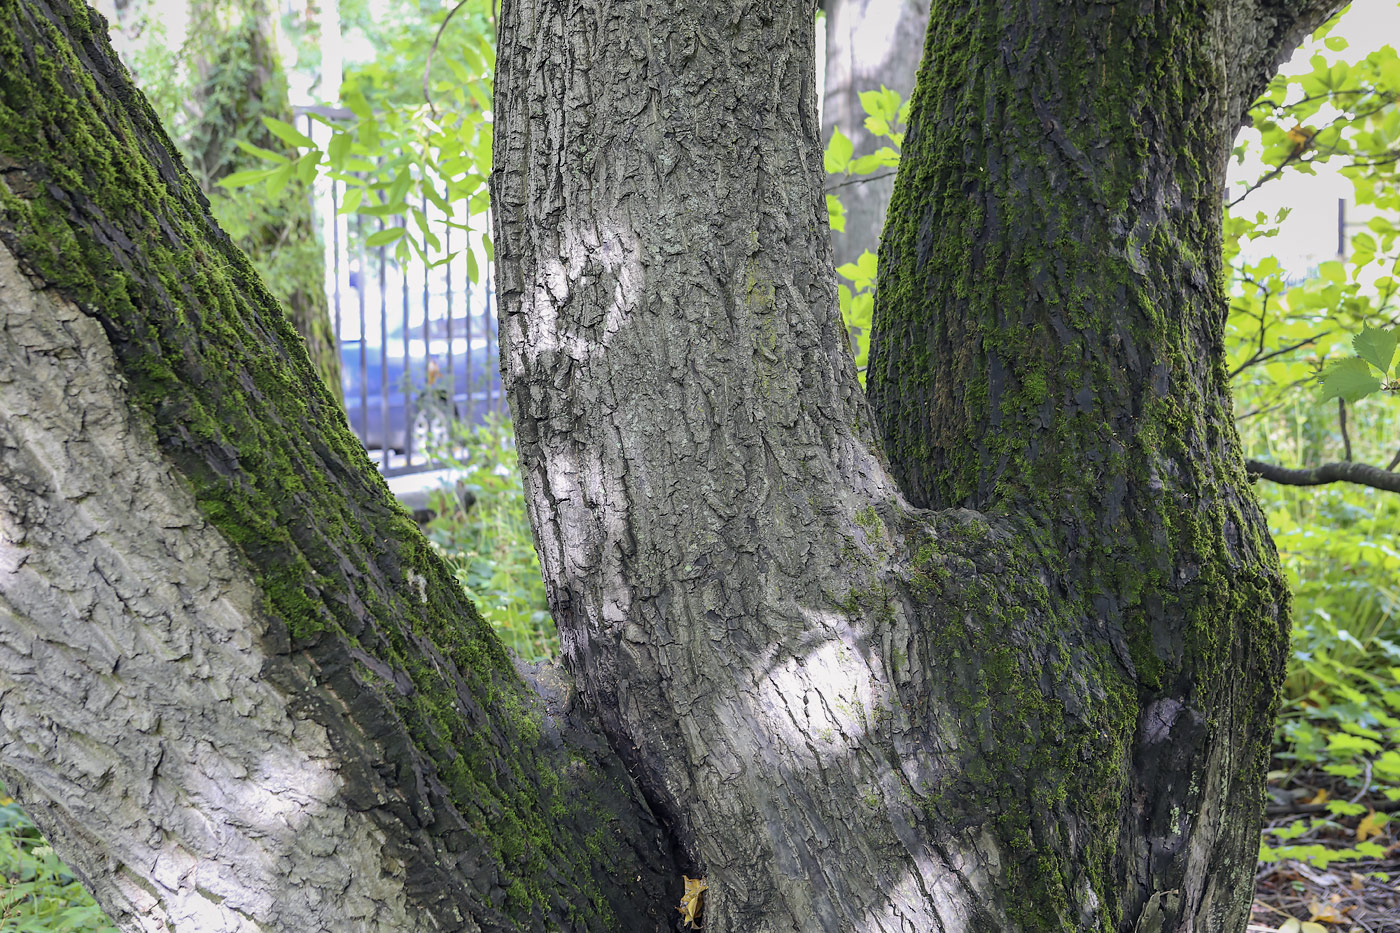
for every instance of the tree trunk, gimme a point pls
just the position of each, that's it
(1045, 706)
(869, 44)
(240, 692)
(238, 689)
(230, 77)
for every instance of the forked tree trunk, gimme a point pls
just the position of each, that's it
(240, 692)
(237, 689)
(1046, 705)
(869, 44)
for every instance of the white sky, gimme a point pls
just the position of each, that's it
(1309, 235)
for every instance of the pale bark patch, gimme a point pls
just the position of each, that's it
(135, 724)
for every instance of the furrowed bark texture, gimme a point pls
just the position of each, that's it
(1047, 344)
(237, 689)
(869, 44)
(1049, 711)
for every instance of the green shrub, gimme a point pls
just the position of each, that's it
(37, 891)
(489, 545)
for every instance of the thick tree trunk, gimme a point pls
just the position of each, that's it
(1049, 713)
(237, 689)
(869, 44)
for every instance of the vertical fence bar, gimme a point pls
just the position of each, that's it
(383, 355)
(361, 270)
(451, 314)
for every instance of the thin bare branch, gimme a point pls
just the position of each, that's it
(1257, 358)
(861, 181)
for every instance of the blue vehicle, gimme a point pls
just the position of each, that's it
(400, 393)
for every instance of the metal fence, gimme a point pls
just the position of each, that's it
(417, 344)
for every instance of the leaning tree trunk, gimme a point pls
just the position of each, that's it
(1046, 705)
(231, 77)
(239, 691)
(869, 44)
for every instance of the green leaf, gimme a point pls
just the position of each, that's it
(868, 263)
(288, 133)
(1350, 379)
(838, 152)
(306, 166)
(473, 272)
(884, 157)
(384, 237)
(352, 201)
(384, 210)
(259, 151)
(1375, 346)
(877, 127)
(1335, 43)
(277, 181)
(1333, 271)
(882, 104)
(836, 212)
(338, 149)
(350, 94)
(249, 177)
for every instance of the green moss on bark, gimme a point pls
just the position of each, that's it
(95, 203)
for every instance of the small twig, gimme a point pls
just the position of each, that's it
(1342, 422)
(1260, 411)
(1264, 358)
(1305, 100)
(428, 66)
(860, 181)
(1363, 474)
(1394, 462)
(1365, 785)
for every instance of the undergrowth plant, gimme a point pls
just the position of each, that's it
(37, 891)
(488, 544)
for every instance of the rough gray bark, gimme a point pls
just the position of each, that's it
(854, 713)
(869, 44)
(137, 724)
(848, 713)
(239, 690)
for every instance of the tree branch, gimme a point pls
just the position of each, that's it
(1259, 36)
(1362, 474)
(861, 181)
(1257, 358)
(1342, 423)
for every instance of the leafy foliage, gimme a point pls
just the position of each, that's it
(37, 891)
(489, 545)
(397, 153)
(1287, 327)
(886, 116)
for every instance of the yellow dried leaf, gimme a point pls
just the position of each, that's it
(1358, 881)
(1369, 826)
(1320, 796)
(1326, 912)
(691, 901)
